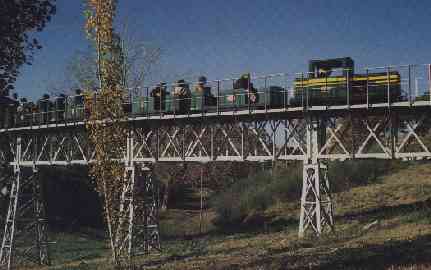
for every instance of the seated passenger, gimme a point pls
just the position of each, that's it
(159, 94)
(44, 105)
(13, 110)
(28, 111)
(60, 107)
(244, 82)
(202, 89)
(183, 95)
(78, 105)
(21, 111)
(8, 107)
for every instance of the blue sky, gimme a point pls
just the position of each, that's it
(222, 38)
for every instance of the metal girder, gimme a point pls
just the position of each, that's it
(146, 236)
(316, 202)
(139, 221)
(316, 212)
(137, 227)
(348, 135)
(25, 218)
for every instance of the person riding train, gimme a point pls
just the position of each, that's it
(20, 111)
(8, 107)
(44, 106)
(78, 104)
(60, 107)
(159, 94)
(182, 96)
(205, 91)
(244, 82)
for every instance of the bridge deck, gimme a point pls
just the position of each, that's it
(243, 115)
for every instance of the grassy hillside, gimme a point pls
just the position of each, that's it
(384, 225)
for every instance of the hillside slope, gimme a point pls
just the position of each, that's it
(386, 225)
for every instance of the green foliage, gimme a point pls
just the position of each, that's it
(255, 194)
(17, 20)
(258, 192)
(287, 182)
(351, 173)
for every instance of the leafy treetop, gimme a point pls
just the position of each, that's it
(17, 19)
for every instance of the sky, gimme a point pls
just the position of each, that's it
(221, 39)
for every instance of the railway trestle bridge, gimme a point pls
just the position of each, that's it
(313, 135)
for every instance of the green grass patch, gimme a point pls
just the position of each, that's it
(75, 247)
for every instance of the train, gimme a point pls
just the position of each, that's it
(328, 82)
(321, 87)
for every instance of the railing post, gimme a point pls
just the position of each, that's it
(367, 88)
(429, 81)
(160, 102)
(410, 85)
(326, 87)
(248, 92)
(147, 101)
(285, 93)
(302, 90)
(234, 95)
(218, 97)
(265, 93)
(389, 86)
(307, 95)
(348, 88)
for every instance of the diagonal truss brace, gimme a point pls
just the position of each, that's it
(25, 219)
(316, 202)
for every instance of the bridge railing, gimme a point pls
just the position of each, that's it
(298, 91)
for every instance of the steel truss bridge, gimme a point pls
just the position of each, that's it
(313, 135)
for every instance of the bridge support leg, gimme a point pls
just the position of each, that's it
(138, 207)
(127, 209)
(316, 203)
(25, 219)
(147, 236)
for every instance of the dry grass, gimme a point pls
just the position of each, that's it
(401, 239)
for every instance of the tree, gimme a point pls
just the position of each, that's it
(138, 61)
(106, 129)
(17, 19)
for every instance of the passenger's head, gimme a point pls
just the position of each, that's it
(242, 82)
(78, 91)
(181, 82)
(202, 80)
(15, 96)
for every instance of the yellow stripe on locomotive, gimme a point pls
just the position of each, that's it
(394, 78)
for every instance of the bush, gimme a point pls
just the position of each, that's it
(243, 197)
(287, 183)
(255, 194)
(351, 173)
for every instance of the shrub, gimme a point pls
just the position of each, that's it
(287, 183)
(255, 194)
(351, 173)
(246, 195)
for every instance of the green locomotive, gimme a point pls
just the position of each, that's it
(320, 87)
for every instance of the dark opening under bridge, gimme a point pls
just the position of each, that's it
(311, 134)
